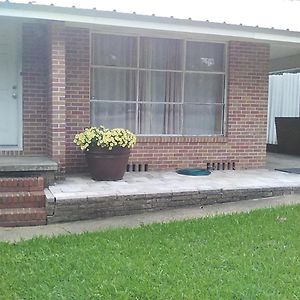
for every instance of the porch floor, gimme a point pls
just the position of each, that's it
(80, 197)
(81, 186)
(280, 161)
(26, 164)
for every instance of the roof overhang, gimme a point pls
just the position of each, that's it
(91, 17)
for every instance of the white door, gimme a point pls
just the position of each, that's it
(10, 98)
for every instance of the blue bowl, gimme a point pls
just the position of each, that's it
(193, 172)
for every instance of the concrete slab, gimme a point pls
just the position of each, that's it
(280, 161)
(25, 233)
(170, 182)
(27, 164)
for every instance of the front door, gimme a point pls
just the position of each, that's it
(10, 97)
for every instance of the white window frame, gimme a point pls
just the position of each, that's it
(183, 71)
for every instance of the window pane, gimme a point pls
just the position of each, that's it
(158, 53)
(159, 119)
(202, 119)
(114, 50)
(203, 88)
(113, 115)
(204, 56)
(112, 84)
(160, 86)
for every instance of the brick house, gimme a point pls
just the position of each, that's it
(194, 92)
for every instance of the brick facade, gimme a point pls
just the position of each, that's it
(68, 77)
(56, 96)
(248, 102)
(244, 144)
(77, 93)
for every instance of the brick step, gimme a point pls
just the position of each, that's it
(22, 199)
(21, 184)
(23, 217)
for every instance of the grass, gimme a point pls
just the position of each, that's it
(242, 256)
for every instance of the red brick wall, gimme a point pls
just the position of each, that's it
(177, 152)
(77, 93)
(245, 140)
(56, 95)
(248, 102)
(34, 88)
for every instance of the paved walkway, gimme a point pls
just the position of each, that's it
(18, 233)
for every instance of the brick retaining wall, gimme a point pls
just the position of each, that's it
(65, 210)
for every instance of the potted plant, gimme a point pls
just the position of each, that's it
(107, 151)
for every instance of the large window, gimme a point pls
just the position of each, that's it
(157, 86)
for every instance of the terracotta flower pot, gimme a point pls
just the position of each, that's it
(107, 164)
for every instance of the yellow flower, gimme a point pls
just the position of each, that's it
(105, 138)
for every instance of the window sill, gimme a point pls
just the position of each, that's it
(181, 139)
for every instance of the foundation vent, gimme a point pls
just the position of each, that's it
(137, 167)
(212, 166)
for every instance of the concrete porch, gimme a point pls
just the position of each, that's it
(16, 166)
(79, 197)
(278, 161)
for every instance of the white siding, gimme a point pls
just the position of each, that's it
(284, 100)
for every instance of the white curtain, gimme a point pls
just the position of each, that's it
(284, 100)
(202, 56)
(114, 50)
(203, 107)
(160, 86)
(110, 85)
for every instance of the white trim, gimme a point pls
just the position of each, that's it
(182, 84)
(155, 70)
(155, 102)
(294, 70)
(125, 20)
(90, 63)
(90, 73)
(181, 135)
(20, 85)
(137, 106)
(225, 95)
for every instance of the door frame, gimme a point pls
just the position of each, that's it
(18, 38)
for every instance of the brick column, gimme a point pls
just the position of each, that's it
(57, 101)
(248, 102)
(77, 93)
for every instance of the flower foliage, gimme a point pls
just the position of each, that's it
(105, 138)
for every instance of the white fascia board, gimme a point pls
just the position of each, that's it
(83, 16)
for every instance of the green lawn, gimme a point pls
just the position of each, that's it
(244, 256)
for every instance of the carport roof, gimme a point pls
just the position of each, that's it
(132, 21)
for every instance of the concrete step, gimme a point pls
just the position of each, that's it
(21, 184)
(22, 217)
(22, 199)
